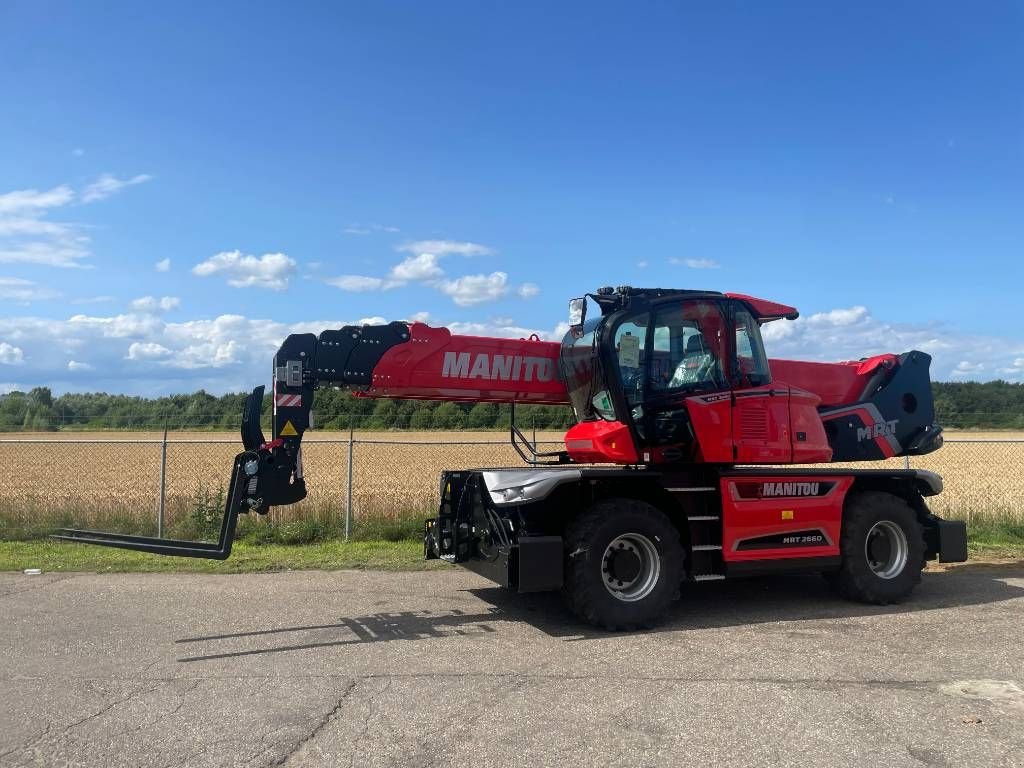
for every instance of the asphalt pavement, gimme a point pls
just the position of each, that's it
(440, 668)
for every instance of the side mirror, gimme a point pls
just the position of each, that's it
(577, 313)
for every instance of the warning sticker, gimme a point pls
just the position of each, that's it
(288, 430)
(288, 401)
(629, 351)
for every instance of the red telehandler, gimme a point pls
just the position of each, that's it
(673, 472)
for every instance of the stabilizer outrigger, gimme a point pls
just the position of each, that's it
(264, 474)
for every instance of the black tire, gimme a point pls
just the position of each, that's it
(871, 571)
(629, 523)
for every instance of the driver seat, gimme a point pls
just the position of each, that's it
(696, 364)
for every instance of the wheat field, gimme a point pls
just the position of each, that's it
(92, 474)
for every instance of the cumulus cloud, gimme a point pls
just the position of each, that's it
(75, 365)
(271, 270)
(146, 353)
(164, 265)
(147, 350)
(423, 266)
(446, 247)
(108, 184)
(506, 328)
(475, 289)
(10, 354)
(153, 304)
(851, 333)
(965, 368)
(528, 290)
(24, 291)
(361, 283)
(695, 263)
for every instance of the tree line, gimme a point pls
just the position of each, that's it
(967, 405)
(39, 410)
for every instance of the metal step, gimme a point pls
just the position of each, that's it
(696, 489)
(708, 577)
(702, 518)
(707, 547)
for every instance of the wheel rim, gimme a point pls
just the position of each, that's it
(886, 549)
(630, 567)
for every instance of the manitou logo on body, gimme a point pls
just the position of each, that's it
(878, 429)
(464, 365)
(790, 489)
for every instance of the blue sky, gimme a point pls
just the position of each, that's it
(182, 186)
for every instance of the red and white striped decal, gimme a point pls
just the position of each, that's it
(288, 401)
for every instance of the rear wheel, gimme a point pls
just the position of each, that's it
(624, 564)
(882, 548)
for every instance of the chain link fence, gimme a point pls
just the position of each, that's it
(153, 481)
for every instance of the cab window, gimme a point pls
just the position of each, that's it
(688, 350)
(751, 364)
(631, 356)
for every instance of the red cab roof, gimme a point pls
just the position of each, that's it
(767, 310)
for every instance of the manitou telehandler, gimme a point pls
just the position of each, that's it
(671, 472)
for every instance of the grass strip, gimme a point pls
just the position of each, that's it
(986, 541)
(52, 556)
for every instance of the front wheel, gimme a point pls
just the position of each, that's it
(624, 564)
(882, 548)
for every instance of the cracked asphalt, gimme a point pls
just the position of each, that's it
(440, 668)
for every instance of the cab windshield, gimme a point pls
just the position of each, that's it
(581, 371)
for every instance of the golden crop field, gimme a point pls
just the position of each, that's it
(92, 473)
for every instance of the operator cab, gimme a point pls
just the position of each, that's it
(667, 376)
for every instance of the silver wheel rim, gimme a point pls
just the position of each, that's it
(891, 565)
(646, 579)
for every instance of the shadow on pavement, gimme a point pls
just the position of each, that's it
(703, 606)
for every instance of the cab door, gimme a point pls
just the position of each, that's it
(761, 430)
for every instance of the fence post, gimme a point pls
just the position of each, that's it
(163, 486)
(348, 502)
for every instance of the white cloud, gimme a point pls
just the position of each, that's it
(695, 263)
(967, 368)
(117, 326)
(851, 333)
(528, 290)
(28, 237)
(29, 201)
(147, 350)
(74, 365)
(840, 317)
(148, 354)
(24, 291)
(164, 265)
(93, 300)
(108, 184)
(78, 152)
(271, 270)
(361, 283)
(417, 268)
(642, 264)
(367, 229)
(153, 304)
(446, 247)
(10, 354)
(506, 328)
(475, 289)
